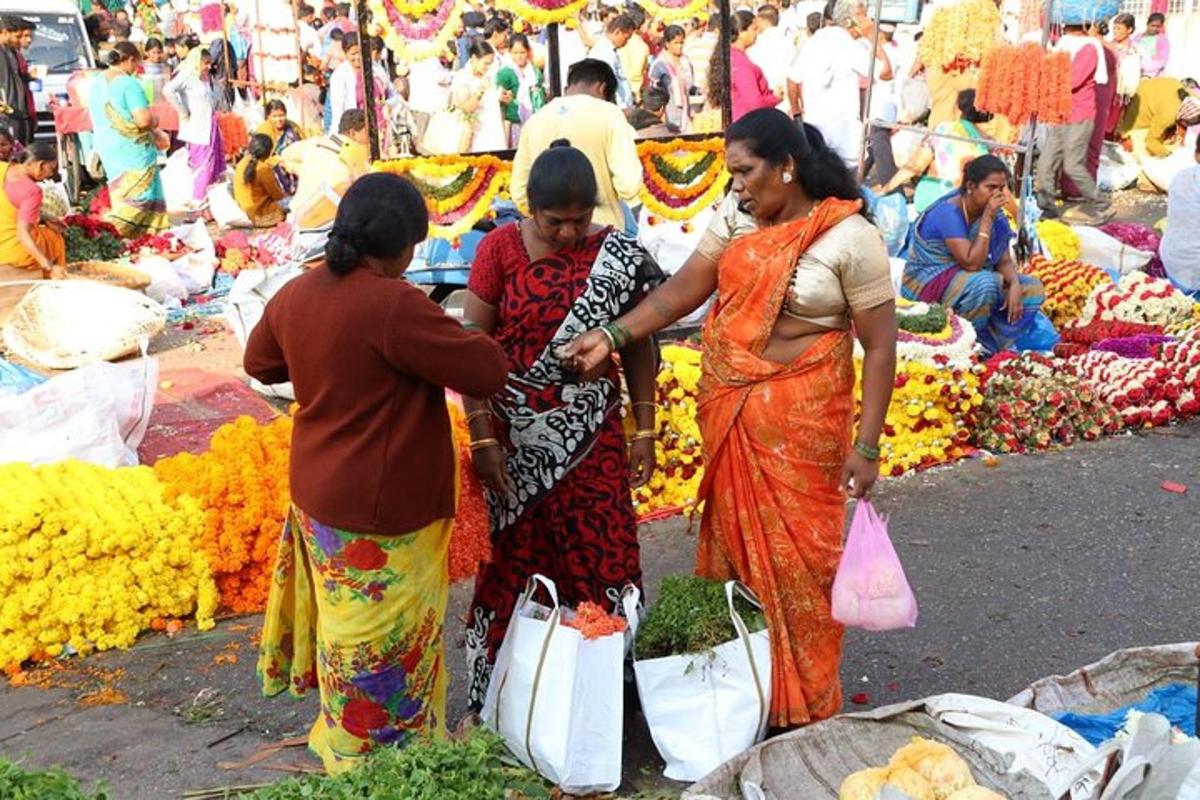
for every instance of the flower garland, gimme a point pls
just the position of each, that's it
(959, 35)
(242, 485)
(458, 190)
(682, 177)
(544, 12)
(416, 37)
(1068, 284)
(1137, 298)
(1030, 404)
(1022, 80)
(1146, 393)
(950, 344)
(674, 10)
(470, 543)
(1058, 240)
(675, 484)
(90, 557)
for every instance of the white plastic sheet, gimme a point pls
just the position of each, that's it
(252, 288)
(704, 708)
(1109, 253)
(557, 698)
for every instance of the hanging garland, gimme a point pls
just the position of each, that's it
(1019, 81)
(682, 177)
(413, 37)
(674, 10)
(958, 35)
(458, 190)
(544, 12)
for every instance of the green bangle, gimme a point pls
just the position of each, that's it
(866, 451)
(617, 334)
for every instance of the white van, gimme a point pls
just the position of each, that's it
(60, 47)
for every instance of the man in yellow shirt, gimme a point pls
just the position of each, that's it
(586, 116)
(325, 166)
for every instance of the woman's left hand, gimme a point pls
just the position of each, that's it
(859, 475)
(1014, 302)
(643, 460)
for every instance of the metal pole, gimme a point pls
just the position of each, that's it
(555, 56)
(1027, 167)
(364, 46)
(866, 113)
(726, 42)
(300, 60)
(990, 144)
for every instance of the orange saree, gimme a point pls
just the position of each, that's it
(775, 440)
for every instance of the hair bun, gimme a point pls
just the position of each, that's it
(560, 143)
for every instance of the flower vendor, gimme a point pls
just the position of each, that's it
(282, 132)
(360, 586)
(1156, 118)
(959, 257)
(26, 239)
(1180, 249)
(776, 397)
(550, 450)
(255, 185)
(326, 162)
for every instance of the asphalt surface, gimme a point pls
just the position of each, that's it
(1031, 568)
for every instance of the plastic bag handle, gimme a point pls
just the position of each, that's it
(535, 580)
(631, 598)
(744, 634)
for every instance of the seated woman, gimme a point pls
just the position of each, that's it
(256, 186)
(282, 132)
(959, 257)
(26, 239)
(938, 162)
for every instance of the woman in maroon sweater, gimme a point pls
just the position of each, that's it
(361, 581)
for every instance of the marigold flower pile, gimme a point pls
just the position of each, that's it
(1068, 284)
(1059, 240)
(676, 482)
(1031, 403)
(242, 485)
(935, 391)
(1137, 297)
(90, 557)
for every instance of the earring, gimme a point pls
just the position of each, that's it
(787, 177)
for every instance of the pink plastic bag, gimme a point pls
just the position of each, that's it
(870, 590)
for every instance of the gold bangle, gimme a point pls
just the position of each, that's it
(474, 415)
(483, 444)
(650, 403)
(639, 435)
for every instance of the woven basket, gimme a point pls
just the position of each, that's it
(109, 272)
(66, 324)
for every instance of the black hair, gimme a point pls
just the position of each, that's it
(380, 215)
(561, 177)
(814, 21)
(343, 9)
(769, 13)
(637, 15)
(773, 136)
(306, 9)
(591, 71)
(622, 22)
(259, 149)
(41, 150)
(655, 99)
(122, 28)
(742, 21)
(966, 107)
(495, 25)
(1156, 17)
(978, 170)
(739, 22)
(337, 35)
(12, 23)
(479, 47)
(353, 119)
(515, 39)
(349, 41)
(328, 13)
(122, 52)
(272, 106)
(1102, 27)
(152, 43)
(1128, 20)
(189, 40)
(672, 32)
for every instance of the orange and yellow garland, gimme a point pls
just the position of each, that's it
(544, 12)
(1020, 81)
(682, 177)
(959, 35)
(458, 189)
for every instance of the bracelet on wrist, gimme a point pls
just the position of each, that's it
(612, 340)
(866, 451)
(483, 444)
(647, 434)
(474, 415)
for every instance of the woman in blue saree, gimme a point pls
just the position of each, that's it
(127, 141)
(959, 257)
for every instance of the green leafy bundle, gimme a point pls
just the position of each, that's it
(16, 783)
(691, 616)
(932, 321)
(476, 768)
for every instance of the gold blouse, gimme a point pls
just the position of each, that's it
(845, 270)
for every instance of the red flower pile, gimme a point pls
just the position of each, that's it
(162, 244)
(1078, 339)
(1145, 392)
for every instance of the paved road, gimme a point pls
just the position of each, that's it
(1034, 567)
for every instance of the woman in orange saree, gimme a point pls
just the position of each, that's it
(777, 388)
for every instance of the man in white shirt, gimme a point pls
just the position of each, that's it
(772, 51)
(310, 40)
(620, 29)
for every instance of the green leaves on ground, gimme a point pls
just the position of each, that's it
(477, 768)
(17, 783)
(691, 616)
(932, 321)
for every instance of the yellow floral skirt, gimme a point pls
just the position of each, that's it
(359, 617)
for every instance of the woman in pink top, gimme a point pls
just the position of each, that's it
(749, 86)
